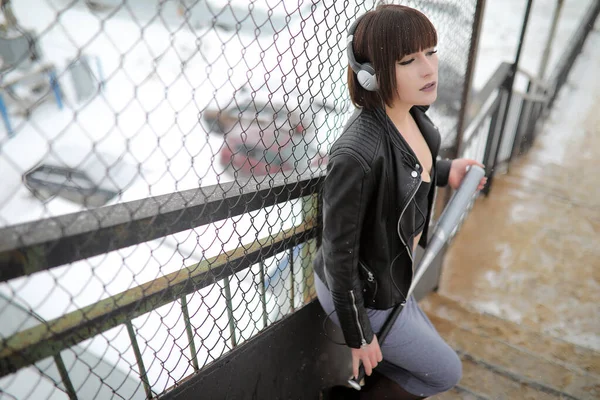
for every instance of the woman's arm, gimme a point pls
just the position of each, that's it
(346, 191)
(442, 171)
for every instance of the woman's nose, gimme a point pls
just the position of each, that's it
(428, 67)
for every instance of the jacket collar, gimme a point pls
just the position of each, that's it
(428, 130)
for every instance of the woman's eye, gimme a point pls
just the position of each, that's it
(432, 52)
(406, 62)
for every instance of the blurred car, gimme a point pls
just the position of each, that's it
(262, 152)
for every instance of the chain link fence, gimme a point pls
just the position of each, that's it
(150, 151)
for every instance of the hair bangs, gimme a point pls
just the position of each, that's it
(415, 34)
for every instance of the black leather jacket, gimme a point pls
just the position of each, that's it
(365, 258)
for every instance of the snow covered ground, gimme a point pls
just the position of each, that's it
(159, 74)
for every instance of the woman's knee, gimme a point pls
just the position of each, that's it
(451, 373)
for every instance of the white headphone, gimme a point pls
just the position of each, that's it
(364, 72)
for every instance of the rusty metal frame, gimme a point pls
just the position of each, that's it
(41, 245)
(47, 339)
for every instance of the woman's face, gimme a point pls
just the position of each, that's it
(416, 78)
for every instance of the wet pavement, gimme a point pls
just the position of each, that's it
(530, 252)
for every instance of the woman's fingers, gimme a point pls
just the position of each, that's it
(377, 356)
(369, 355)
(482, 183)
(368, 366)
(374, 359)
(474, 162)
(355, 365)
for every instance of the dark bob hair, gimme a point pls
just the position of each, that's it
(383, 37)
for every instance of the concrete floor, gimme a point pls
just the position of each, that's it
(530, 252)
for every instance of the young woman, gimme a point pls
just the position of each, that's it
(377, 200)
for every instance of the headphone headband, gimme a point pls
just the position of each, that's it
(351, 59)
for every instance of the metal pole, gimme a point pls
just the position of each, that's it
(139, 359)
(548, 48)
(230, 316)
(292, 289)
(522, 38)
(190, 333)
(463, 116)
(508, 87)
(310, 211)
(64, 375)
(263, 295)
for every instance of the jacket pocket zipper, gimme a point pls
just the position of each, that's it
(370, 278)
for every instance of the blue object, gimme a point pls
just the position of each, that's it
(4, 113)
(55, 88)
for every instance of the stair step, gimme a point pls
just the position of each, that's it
(584, 359)
(478, 377)
(459, 393)
(517, 364)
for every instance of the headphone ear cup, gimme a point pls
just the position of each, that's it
(368, 67)
(367, 78)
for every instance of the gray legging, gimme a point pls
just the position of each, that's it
(414, 354)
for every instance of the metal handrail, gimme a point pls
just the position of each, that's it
(52, 242)
(49, 338)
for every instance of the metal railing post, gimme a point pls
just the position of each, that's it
(230, 317)
(190, 334)
(508, 86)
(139, 359)
(64, 375)
(310, 206)
(471, 60)
(548, 48)
(293, 281)
(492, 134)
(263, 294)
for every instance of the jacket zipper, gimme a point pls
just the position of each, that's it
(370, 278)
(398, 225)
(412, 262)
(362, 335)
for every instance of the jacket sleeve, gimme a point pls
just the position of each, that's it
(442, 170)
(346, 192)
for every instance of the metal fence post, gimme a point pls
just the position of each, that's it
(189, 331)
(139, 359)
(310, 206)
(548, 48)
(230, 316)
(64, 375)
(263, 294)
(464, 115)
(508, 86)
(293, 281)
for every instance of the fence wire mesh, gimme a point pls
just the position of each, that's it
(116, 102)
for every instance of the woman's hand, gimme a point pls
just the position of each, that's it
(458, 170)
(370, 355)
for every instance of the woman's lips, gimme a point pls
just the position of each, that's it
(429, 87)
